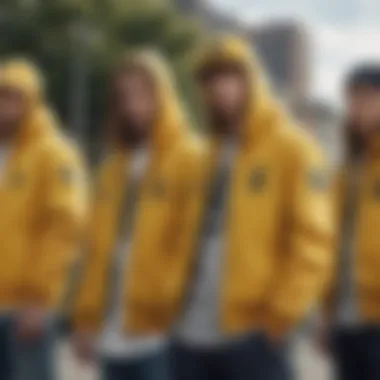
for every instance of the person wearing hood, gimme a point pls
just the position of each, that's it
(351, 325)
(43, 212)
(251, 248)
(149, 132)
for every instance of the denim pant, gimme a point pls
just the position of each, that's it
(152, 367)
(247, 359)
(356, 353)
(23, 361)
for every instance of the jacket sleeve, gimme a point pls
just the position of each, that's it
(308, 236)
(58, 227)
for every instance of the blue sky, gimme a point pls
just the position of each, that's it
(342, 32)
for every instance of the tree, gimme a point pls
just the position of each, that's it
(73, 39)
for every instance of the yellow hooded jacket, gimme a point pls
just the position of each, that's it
(279, 230)
(42, 200)
(367, 238)
(170, 143)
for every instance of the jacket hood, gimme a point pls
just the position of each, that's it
(172, 121)
(21, 75)
(264, 113)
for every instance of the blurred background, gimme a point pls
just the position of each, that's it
(307, 47)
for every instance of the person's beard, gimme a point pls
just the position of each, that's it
(8, 130)
(131, 133)
(357, 141)
(222, 122)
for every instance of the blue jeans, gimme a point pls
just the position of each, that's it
(152, 367)
(21, 361)
(356, 353)
(246, 359)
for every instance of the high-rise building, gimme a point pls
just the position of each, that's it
(284, 50)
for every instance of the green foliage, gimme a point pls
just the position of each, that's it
(65, 36)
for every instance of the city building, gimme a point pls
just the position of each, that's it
(284, 50)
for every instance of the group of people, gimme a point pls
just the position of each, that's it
(202, 254)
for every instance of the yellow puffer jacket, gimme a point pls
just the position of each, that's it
(279, 230)
(367, 239)
(171, 140)
(42, 201)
